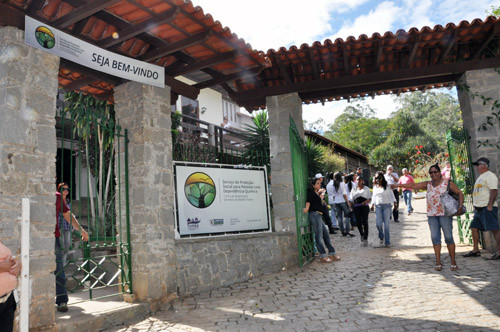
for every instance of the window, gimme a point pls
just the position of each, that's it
(230, 109)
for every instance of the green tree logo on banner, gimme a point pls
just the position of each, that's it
(200, 190)
(45, 37)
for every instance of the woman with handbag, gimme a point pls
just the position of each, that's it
(437, 216)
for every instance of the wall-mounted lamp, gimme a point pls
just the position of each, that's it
(203, 110)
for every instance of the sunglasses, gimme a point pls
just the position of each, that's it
(433, 172)
(65, 189)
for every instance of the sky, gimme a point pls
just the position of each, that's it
(271, 24)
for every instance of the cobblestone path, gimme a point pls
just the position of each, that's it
(370, 289)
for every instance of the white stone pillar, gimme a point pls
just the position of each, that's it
(280, 109)
(145, 111)
(485, 82)
(28, 90)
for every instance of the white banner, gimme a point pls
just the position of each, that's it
(48, 39)
(212, 199)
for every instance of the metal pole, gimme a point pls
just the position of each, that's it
(24, 312)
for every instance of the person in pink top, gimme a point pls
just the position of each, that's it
(9, 271)
(436, 217)
(407, 178)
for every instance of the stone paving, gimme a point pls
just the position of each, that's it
(369, 289)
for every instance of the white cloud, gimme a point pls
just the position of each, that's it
(458, 10)
(271, 24)
(380, 20)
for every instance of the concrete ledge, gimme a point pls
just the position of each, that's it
(232, 237)
(99, 314)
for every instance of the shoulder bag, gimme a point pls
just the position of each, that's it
(450, 203)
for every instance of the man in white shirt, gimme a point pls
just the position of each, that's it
(392, 178)
(485, 207)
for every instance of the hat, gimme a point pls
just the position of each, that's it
(482, 160)
(319, 175)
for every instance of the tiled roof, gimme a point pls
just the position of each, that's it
(416, 59)
(169, 33)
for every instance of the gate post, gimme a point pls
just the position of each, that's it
(145, 112)
(280, 109)
(485, 82)
(28, 80)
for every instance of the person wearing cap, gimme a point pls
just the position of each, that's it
(485, 207)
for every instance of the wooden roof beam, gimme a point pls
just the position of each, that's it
(379, 54)
(11, 16)
(182, 88)
(174, 47)
(83, 12)
(228, 78)
(396, 76)
(34, 7)
(283, 69)
(413, 53)
(314, 64)
(77, 84)
(347, 67)
(220, 58)
(485, 42)
(85, 71)
(139, 28)
(450, 43)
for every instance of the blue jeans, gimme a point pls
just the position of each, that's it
(407, 198)
(332, 215)
(438, 223)
(344, 221)
(321, 233)
(383, 214)
(61, 293)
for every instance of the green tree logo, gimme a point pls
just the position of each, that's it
(200, 190)
(45, 37)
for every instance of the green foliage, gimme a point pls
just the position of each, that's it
(435, 113)
(176, 123)
(494, 10)
(332, 161)
(314, 155)
(405, 135)
(257, 136)
(349, 114)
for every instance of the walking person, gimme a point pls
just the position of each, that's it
(10, 268)
(336, 193)
(349, 186)
(313, 208)
(391, 178)
(382, 201)
(63, 209)
(407, 192)
(361, 197)
(485, 207)
(335, 224)
(438, 221)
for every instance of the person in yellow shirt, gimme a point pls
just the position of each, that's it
(485, 207)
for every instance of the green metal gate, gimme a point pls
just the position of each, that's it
(93, 160)
(463, 175)
(299, 172)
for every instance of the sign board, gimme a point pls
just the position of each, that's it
(48, 39)
(217, 199)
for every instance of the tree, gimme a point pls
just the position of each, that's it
(332, 161)
(314, 155)
(317, 126)
(349, 114)
(405, 135)
(257, 136)
(435, 112)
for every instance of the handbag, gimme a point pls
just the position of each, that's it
(450, 203)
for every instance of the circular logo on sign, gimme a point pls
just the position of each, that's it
(45, 37)
(200, 190)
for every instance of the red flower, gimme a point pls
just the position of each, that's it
(421, 146)
(429, 153)
(418, 152)
(416, 146)
(416, 161)
(447, 155)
